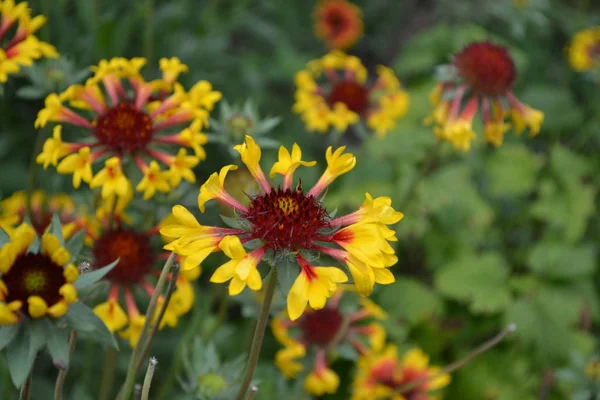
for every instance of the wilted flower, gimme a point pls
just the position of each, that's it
(584, 51)
(335, 91)
(380, 374)
(136, 251)
(23, 47)
(43, 206)
(131, 120)
(338, 23)
(288, 227)
(318, 333)
(480, 76)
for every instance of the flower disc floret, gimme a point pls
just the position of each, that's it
(282, 223)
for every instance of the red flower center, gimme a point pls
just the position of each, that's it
(286, 219)
(124, 128)
(320, 327)
(133, 249)
(34, 274)
(336, 20)
(594, 50)
(352, 94)
(487, 68)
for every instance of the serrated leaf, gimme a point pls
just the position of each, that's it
(480, 281)
(58, 347)
(8, 333)
(89, 278)
(82, 319)
(56, 228)
(411, 300)
(75, 244)
(512, 171)
(561, 261)
(20, 359)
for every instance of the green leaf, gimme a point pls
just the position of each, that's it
(7, 334)
(37, 329)
(561, 261)
(56, 228)
(287, 272)
(58, 347)
(346, 351)
(82, 319)
(75, 244)
(231, 222)
(512, 171)
(20, 360)
(557, 103)
(481, 281)
(411, 300)
(30, 93)
(89, 278)
(4, 238)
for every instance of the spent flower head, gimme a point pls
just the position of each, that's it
(317, 336)
(129, 122)
(338, 23)
(19, 47)
(290, 228)
(480, 77)
(336, 92)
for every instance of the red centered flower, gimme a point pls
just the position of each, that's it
(487, 68)
(353, 95)
(481, 77)
(124, 128)
(321, 331)
(338, 22)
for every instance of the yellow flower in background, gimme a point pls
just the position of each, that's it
(285, 222)
(334, 92)
(129, 120)
(18, 45)
(379, 374)
(584, 50)
(35, 284)
(320, 332)
(481, 78)
(338, 23)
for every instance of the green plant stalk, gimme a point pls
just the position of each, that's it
(25, 393)
(161, 314)
(148, 378)
(259, 333)
(62, 374)
(131, 370)
(108, 373)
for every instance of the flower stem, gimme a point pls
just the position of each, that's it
(460, 363)
(25, 393)
(132, 369)
(37, 147)
(62, 374)
(108, 373)
(148, 379)
(259, 333)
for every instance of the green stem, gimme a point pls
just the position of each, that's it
(108, 373)
(259, 333)
(25, 393)
(62, 374)
(148, 378)
(149, 29)
(132, 369)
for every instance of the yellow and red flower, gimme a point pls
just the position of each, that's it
(481, 76)
(129, 120)
(584, 50)
(338, 23)
(335, 91)
(19, 47)
(287, 224)
(381, 374)
(318, 332)
(138, 257)
(43, 206)
(35, 283)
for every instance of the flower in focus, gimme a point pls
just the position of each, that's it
(18, 44)
(318, 332)
(480, 77)
(136, 250)
(380, 374)
(287, 227)
(129, 120)
(335, 91)
(584, 50)
(43, 206)
(35, 282)
(338, 23)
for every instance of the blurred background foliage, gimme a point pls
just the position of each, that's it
(490, 237)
